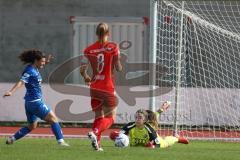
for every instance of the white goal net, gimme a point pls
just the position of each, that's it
(199, 44)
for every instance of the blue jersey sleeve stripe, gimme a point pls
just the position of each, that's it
(25, 77)
(23, 80)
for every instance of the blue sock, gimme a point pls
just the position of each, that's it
(21, 133)
(56, 128)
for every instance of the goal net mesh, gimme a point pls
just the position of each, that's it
(199, 44)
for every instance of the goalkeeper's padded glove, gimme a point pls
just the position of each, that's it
(150, 145)
(113, 135)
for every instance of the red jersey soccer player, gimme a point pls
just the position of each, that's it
(103, 57)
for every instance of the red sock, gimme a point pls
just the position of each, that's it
(97, 125)
(108, 121)
(100, 125)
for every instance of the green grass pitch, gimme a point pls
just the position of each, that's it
(41, 149)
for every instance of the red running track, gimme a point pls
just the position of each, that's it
(47, 132)
(82, 132)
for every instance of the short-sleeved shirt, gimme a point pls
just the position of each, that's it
(140, 137)
(32, 79)
(102, 59)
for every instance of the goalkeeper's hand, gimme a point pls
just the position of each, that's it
(150, 145)
(164, 107)
(113, 135)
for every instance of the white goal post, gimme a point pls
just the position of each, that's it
(199, 43)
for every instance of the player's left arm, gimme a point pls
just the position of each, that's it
(83, 70)
(117, 60)
(49, 58)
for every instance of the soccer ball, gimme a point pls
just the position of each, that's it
(122, 140)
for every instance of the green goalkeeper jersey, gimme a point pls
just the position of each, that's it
(140, 137)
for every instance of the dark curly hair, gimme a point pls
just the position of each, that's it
(29, 56)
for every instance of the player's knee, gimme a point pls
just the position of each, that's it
(53, 119)
(109, 111)
(32, 127)
(110, 116)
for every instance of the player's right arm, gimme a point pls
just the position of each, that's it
(24, 79)
(83, 70)
(18, 85)
(125, 129)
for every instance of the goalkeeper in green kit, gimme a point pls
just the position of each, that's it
(143, 131)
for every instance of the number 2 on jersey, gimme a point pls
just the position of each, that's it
(100, 61)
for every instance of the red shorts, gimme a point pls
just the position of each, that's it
(100, 98)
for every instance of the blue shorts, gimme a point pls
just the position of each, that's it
(35, 110)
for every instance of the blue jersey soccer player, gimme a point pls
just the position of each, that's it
(34, 106)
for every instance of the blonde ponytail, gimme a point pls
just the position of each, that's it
(101, 31)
